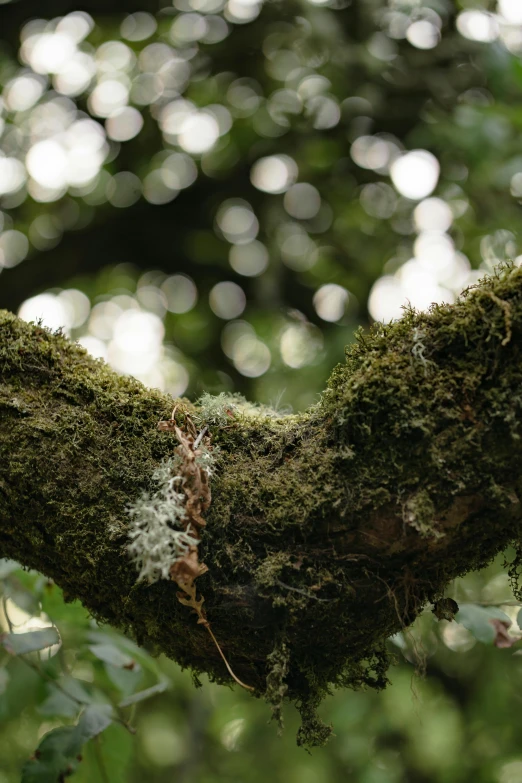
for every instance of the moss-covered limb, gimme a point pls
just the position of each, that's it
(327, 531)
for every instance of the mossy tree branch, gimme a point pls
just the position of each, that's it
(328, 530)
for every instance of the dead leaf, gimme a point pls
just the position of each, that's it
(502, 638)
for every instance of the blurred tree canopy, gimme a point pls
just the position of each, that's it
(239, 173)
(212, 196)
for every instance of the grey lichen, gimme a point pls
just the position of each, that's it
(206, 459)
(156, 531)
(217, 410)
(225, 409)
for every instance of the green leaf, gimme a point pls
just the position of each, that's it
(477, 620)
(109, 653)
(7, 567)
(93, 720)
(125, 679)
(4, 680)
(145, 694)
(56, 756)
(54, 605)
(136, 653)
(64, 704)
(59, 752)
(23, 643)
(116, 748)
(21, 596)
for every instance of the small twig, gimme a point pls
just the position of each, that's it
(125, 724)
(189, 589)
(239, 682)
(200, 437)
(303, 592)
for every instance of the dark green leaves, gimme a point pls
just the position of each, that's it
(65, 698)
(59, 752)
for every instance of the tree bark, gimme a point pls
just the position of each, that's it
(328, 530)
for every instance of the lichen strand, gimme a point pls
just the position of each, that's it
(328, 531)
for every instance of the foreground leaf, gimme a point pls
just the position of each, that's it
(59, 752)
(125, 679)
(32, 641)
(478, 620)
(7, 567)
(4, 680)
(65, 701)
(109, 653)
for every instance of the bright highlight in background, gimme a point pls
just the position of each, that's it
(511, 10)
(415, 174)
(274, 174)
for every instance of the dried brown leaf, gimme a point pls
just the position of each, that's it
(502, 638)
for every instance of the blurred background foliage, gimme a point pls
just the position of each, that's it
(212, 196)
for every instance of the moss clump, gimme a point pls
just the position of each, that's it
(328, 531)
(276, 687)
(419, 512)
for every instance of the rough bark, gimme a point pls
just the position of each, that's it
(328, 531)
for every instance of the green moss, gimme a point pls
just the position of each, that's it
(327, 532)
(419, 512)
(276, 687)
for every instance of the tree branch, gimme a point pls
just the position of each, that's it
(328, 530)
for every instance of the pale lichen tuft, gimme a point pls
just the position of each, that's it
(158, 538)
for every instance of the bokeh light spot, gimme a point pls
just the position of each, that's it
(124, 189)
(23, 91)
(274, 174)
(138, 26)
(227, 300)
(198, 133)
(237, 222)
(330, 302)
(231, 333)
(124, 124)
(181, 293)
(251, 356)
(415, 174)
(302, 201)
(250, 260)
(300, 344)
(107, 97)
(12, 175)
(46, 162)
(423, 34)
(477, 25)
(49, 52)
(14, 247)
(47, 309)
(386, 299)
(433, 214)
(45, 232)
